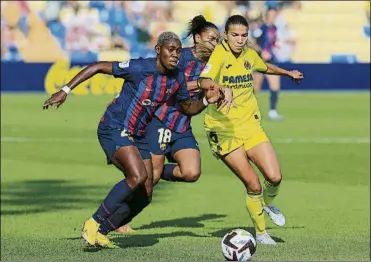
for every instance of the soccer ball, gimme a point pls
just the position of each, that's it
(238, 245)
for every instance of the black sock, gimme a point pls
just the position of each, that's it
(273, 100)
(167, 173)
(113, 200)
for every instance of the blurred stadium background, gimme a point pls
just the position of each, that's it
(88, 31)
(53, 172)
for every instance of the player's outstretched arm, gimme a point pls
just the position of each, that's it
(59, 97)
(193, 107)
(275, 70)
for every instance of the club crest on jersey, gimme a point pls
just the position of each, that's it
(124, 64)
(247, 65)
(146, 102)
(169, 91)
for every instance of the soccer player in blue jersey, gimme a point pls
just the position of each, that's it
(169, 134)
(149, 83)
(266, 43)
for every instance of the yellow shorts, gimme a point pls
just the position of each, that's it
(223, 144)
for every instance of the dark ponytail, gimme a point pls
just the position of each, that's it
(198, 25)
(236, 20)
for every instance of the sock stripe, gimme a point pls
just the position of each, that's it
(112, 225)
(105, 209)
(254, 193)
(271, 184)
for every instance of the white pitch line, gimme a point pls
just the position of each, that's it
(343, 140)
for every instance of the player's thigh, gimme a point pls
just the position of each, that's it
(186, 153)
(273, 82)
(121, 150)
(131, 162)
(265, 158)
(158, 166)
(258, 81)
(239, 164)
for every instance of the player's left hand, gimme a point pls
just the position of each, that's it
(227, 99)
(212, 95)
(57, 98)
(296, 75)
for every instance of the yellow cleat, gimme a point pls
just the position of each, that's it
(103, 241)
(125, 229)
(89, 231)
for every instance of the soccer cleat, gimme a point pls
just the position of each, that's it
(89, 231)
(273, 115)
(103, 241)
(125, 229)
(275, 215)
(265, 239)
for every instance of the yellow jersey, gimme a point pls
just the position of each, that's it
(236, 73)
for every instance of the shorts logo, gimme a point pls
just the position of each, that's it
(219, 149)
(206, 69)
(247, 65)
(124, 64)
(146, 102)
(163, 147)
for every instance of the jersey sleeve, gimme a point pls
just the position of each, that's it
(259, 64)
(126, 69)
(214, 65)
(182, 93)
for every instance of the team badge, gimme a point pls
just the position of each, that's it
(219, 149)
(247, 65)
(146, 102)
(169, 91)
(163, 146)
(124, 64)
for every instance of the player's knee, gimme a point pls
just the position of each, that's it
(191, 175)
(274, 177)
(138, 179)
(254, 187)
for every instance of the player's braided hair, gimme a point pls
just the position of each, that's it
(198, 25)
(166, 37)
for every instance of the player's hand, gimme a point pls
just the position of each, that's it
(296, 75)
(227, 99)
(212, 95)
(56, 99)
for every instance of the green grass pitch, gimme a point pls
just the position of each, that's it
(53, 177)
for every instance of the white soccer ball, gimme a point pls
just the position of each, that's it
(238, 245)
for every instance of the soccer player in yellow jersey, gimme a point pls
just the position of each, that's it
(235, 134)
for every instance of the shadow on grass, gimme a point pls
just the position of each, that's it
(36, 196)
(185, 222)
(146, 240)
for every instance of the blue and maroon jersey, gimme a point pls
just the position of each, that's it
(144, 90)
(169, 113)
(267, 39)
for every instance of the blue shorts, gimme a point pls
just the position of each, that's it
(113, 139)
(162, 141)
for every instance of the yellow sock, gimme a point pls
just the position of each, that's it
(255, 208)
(270, 191)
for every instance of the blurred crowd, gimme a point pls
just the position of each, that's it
(84, 29)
